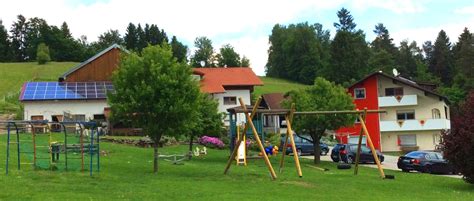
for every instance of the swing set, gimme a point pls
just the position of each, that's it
(43, 148)
(289, 114)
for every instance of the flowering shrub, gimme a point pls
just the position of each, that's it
(211, 142)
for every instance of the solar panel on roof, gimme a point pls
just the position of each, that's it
(65, 90)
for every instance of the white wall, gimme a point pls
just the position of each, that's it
(47, 108)
(244, 94)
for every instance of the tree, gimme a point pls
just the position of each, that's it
(65, 30)
(244, 62)
(382, 61)
(349, 52)
(5, 46)
(464, 60)
(107, 39)
(408, 57)
(42, 54)
(131, 37)
(441, 64)
(208, 120)
(323, 96)
(204, 52)
(458, 143)
(18, 38)
(156, 93)
(142, 40)
(179, 49)
(297, 52)
(346, 21)
(228, 57)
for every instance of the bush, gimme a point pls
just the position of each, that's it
(42, 54)
(212, 142)
(459, 141)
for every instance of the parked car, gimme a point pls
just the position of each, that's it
(347, 153)
(304, 146)
(424, 161)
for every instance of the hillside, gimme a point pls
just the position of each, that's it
(13, 75)
(276, 85)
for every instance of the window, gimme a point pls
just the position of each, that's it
(436, 114)
(37, 117)
(359, 93)
(407, 140)
(230, 100)
(405, 115)
(79, 117)
(397, 91)
(99, 117)
(446, 112)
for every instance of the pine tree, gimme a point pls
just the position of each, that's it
(142, 42)
(65, 30)
(131, 37)
(155, 35)
(5, 46)
(441, 64)
(349, 52)
(18, 38)
(464, 60)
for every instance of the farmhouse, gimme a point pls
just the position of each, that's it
(80, 93)
(415, 114)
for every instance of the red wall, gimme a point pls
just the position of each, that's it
(371, 102)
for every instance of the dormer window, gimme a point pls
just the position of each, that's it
(359, 93)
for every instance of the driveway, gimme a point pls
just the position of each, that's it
(390, 163)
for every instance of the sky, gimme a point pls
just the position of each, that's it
(247, 24)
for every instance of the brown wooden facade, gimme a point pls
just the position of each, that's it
(99, 69)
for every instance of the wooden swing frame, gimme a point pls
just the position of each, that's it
(361, 115)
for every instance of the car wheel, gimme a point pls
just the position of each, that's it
(349, 160)
(324, 152)
(405, 170)
(427, 169)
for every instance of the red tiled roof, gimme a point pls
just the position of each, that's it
(215, 79)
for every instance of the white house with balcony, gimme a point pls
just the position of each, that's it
(415, 115)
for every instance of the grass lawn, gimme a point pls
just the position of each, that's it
(126, 173)
(275, 85)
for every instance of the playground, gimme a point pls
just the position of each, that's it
(126, 174)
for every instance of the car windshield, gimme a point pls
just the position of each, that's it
(440, 156)
(415, 154)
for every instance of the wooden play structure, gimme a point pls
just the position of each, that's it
(289, 114)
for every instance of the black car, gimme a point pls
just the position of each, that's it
(424, 161)
(304, 146)
(347, 153)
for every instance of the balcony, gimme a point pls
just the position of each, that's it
(415, 125)
(392, 101)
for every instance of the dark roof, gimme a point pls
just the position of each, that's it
(273, 100)
(402, 80)
(75, 68)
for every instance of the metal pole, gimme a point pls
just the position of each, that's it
(8, 146)
(17, 144)
(98, 151)
(90, 151)
(65, 144)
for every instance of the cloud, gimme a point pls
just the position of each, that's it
(469, 10)
(396, 6)
(422, 34)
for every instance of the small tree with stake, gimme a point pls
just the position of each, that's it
(156, 93)
(459, 142)
(208, 120)
(323, 95)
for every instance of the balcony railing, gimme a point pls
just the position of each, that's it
(415, 125)
(393, 101)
